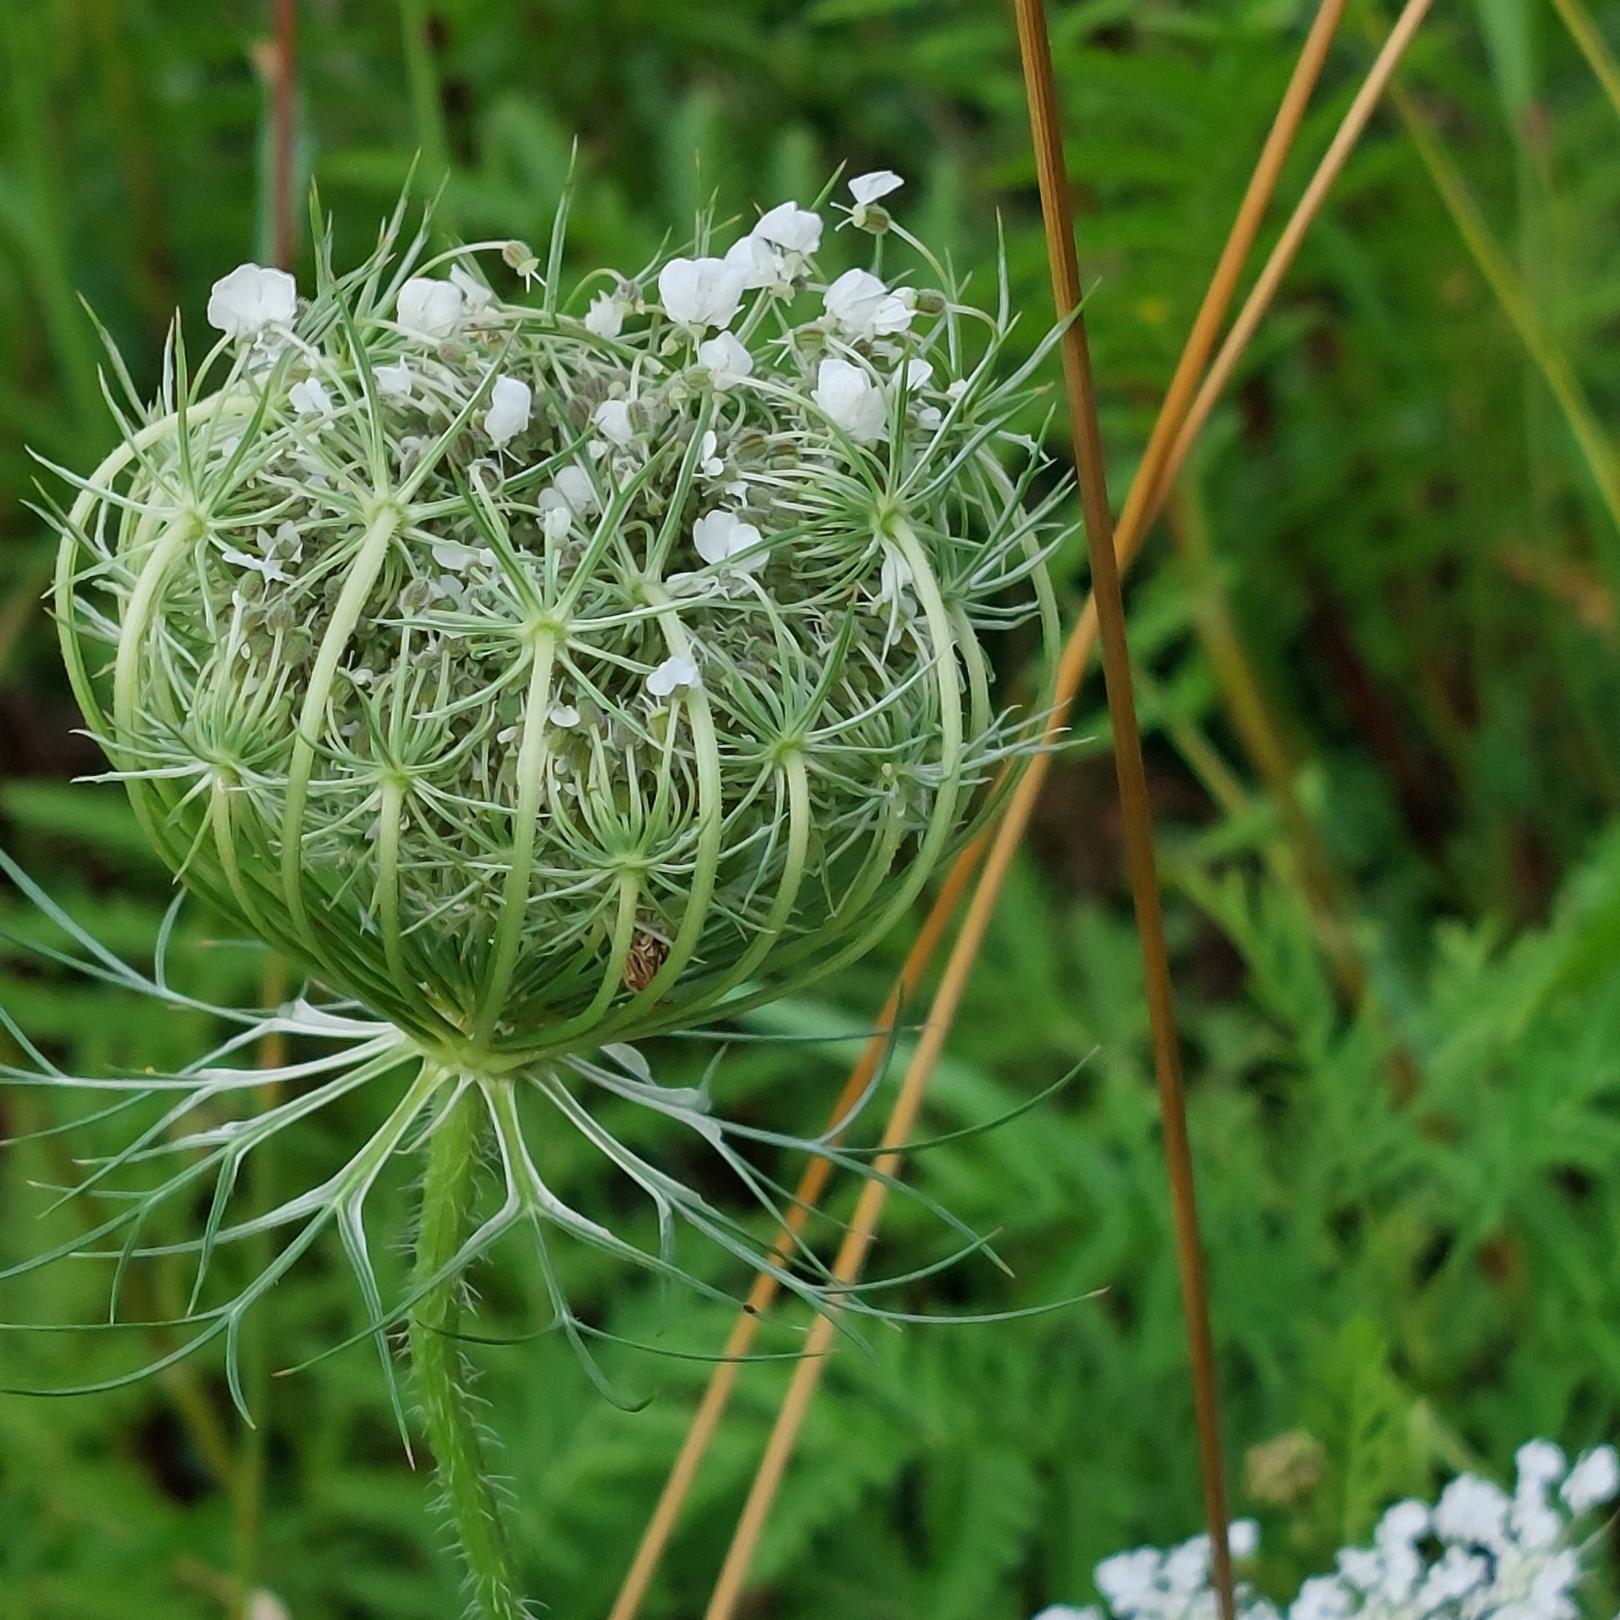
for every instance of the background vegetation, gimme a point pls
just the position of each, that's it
(1377, 640)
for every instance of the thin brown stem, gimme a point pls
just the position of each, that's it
(1136, 808)
(1282, 255)
(1015, 818)
(661, 1526)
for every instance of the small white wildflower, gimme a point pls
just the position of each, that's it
(726, 360)
(722, 536)
(866, 188)
(395, 381)
(510, 403)
(700, 292)
(574, 489)
(267, 568)
(788, 226)
(676, 673)
(1064, 1611)
(563, 715)
(956, 388)
(1128, 1578)
(429, 308)
(758, 263)
(263, 1605)
(1594, 1480)
(1243, 1538)
(1471, 1510)
(452, 556)
(709, 464)
(251, 298)
(557, 521)
(310, 398)
(612, 420)
(1540, 1462)
(864, 307)
(1404, 1522)
(606, 315)
(851, 399)
(476, 296)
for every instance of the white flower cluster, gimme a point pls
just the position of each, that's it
(1479, 1553)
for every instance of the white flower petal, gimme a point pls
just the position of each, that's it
(865, 188)
(510, 405)
(676, 673)
(789, 226)
(726, 360)
(851, 399)
(431, 309)
(251, 298)
(864, 307)
(701, 292)
(395, 381)
(612, 420)
(606, 315)
(310, 398)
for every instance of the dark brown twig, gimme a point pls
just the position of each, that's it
(1136, 808)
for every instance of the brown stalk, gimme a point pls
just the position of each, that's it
(1136, 807)
(1072, 665)
(661, 1526)
(1281, 256)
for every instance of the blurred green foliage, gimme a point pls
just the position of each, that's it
(1380, 678)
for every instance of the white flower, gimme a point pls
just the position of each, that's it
(1064, 1611)
(557, 520)
(675, 673)
(700, 292)
(476, 296)
(1243, 1538)
(571, 491)
(1594, 1480)
(758, 263)
(563, 715)
(726, 360)
(510, 403)
(864, 308)
(310, 398)
(865, 188)
(606, 315)
(789, 226)
(1540, 1462)
(918, 374)
(395, 381)
(851, 399)
(1128, 1577)
(251, 298)
(709, 463)
(612, 420)
(431, 309)
(452, 556)
(721, 536)
(1471, 1510)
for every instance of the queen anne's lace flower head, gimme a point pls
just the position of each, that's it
(538, 671)
(505, 509)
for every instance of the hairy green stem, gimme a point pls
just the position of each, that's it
(452, 1428)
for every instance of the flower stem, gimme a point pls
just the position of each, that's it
(452, 1427)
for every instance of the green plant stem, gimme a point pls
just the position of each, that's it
(452, 1428)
